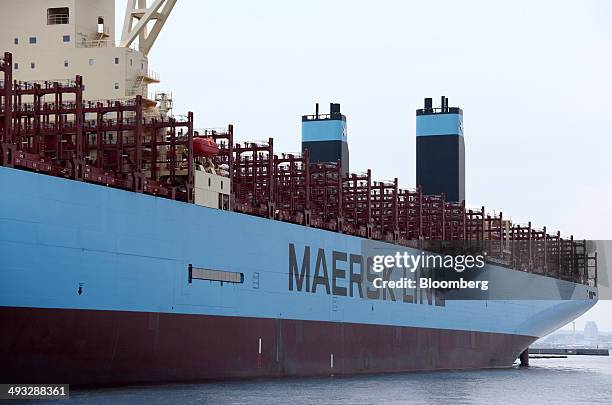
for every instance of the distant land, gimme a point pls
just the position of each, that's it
(589, 337)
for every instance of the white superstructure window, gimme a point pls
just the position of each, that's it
(16, 41)
(57, 15)
(116, 85)
(32, 65)
(16, 66)
(116, 61)
(66, 63)
(92, 62)
(66, 38)
(32, 40)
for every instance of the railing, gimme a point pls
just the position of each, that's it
(109, 102)
(151, 75)
(45, 84)
(96, 43)
(55, 19)
(438, 110)
(317, 117)
(102, 43)
(180, 117)
(210, 131)
(71, 105)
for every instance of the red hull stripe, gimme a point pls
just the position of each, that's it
(84, 347)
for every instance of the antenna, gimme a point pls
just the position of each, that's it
(137, 10)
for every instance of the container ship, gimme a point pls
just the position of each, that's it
(135, 248)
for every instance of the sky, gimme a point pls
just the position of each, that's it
(533, 79)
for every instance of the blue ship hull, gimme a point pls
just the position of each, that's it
(95, 289)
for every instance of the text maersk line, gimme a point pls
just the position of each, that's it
(378, 270)
(458, 263)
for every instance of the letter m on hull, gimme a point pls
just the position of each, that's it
(299, 274)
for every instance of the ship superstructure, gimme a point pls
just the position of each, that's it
(58, 40)
(136, 248)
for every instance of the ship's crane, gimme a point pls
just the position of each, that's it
(139, 13)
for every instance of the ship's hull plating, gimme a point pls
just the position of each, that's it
(95, 289)
(111, 347)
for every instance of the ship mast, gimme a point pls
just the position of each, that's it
(137, 10)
